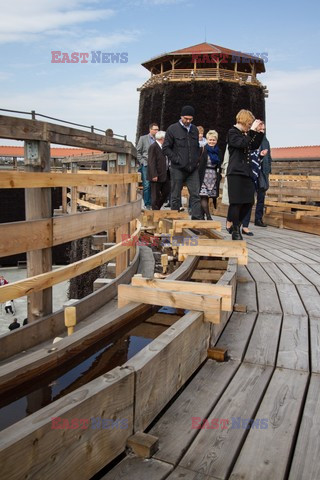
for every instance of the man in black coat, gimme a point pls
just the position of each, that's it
(158, 172)
(181, 146)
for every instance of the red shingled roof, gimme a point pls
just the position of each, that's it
(307, 152)
(8, 151)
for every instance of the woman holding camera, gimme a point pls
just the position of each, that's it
(242, 138)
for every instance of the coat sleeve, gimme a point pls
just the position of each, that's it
(152, 163)
(167, 146)
(139, 150)
(237, 140)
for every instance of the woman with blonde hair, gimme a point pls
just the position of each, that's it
(209, 172)
(242, 138)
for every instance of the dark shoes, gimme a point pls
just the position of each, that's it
(250, 234)
(259, 223)
(236, 234)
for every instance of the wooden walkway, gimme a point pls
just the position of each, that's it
(272, 376)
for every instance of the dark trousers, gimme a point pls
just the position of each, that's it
(178, 178)
(261, 194)
(159, 193)
(237, 212)
(246, 218)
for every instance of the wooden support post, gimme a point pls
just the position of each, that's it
(143, 444)
(70, 319)
(164, 262)
(64, 192)
(38, 206)
(74, 190)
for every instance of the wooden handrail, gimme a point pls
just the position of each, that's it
(14, 179)
(45, 280)
(25, 236)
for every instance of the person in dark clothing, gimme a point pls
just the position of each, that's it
(257, 157)
(158, 172)
(209, 172)
(15, 324)
(242, 138)
(261, 192)
(181, 146)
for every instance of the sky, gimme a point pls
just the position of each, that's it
(105, 94)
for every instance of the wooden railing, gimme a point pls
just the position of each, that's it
(201, 75)
(40, 231)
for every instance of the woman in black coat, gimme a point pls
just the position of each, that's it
(209, 172)
(242, 138)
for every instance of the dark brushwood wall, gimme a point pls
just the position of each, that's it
(216, 105)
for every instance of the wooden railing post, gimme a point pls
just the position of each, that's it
(37, 206)
(74, 190)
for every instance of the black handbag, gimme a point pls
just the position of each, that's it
(263, 182)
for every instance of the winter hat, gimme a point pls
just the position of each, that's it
(187, 111)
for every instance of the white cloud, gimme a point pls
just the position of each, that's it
(293, 107)
(105, 42)
(25, 21)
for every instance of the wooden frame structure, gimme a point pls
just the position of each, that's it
(40, 232)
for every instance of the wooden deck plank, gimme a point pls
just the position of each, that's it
(290, 299)
(174, 429)
(256, 257)
(298, 257)
(268, 301)
(294, 348)
(247, 295)
(258, 274)
(181, 473)
(237, 333)
(309, 273)
(292, 273)
(262, 348)
(137, 468)
(266, 453)
(214, 451)
(315, 344)
(310, 298)
(275, 273)
(305, 463)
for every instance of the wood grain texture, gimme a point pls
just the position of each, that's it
(174, 429)
(45, 280)
(262, 348)
(305, 463)
(184, 345)
(294, 343)
(14, 179)
(214, 450)
(135, 468)
(266, 452)
(38, 451)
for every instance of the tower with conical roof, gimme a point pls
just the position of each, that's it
(216, 81)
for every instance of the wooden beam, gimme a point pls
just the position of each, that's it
(219, 354)
(38, 206)
(16, 128)
(143, 444)
(224, 291)
(37, 283)
(216, 248)
(13, 179)
(19, 237)
(209, 304)
(179, 225)
(208, 275)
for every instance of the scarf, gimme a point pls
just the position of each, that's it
(213, 153)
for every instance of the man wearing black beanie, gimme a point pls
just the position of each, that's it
(181, 145)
